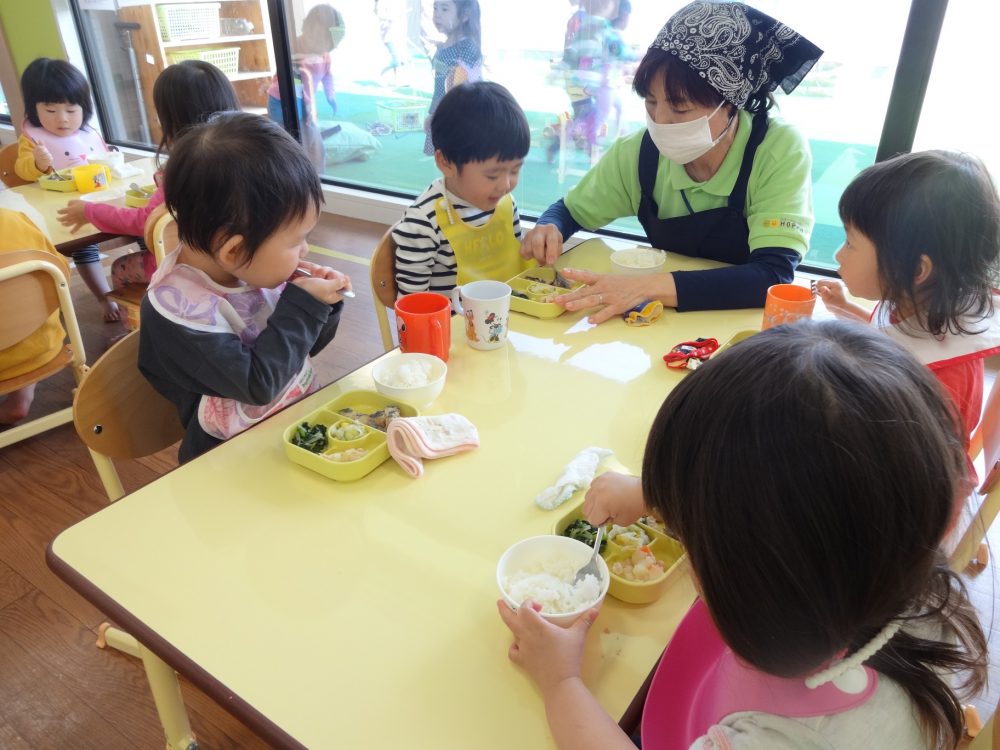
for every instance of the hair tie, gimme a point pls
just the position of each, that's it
(846, 673)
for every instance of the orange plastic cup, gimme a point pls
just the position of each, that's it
(787, 303)
(423, 322)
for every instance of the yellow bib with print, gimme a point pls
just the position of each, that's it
(487, 252)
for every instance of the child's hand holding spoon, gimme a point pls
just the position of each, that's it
(307, 274)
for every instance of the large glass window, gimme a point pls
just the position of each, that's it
(364, 83)
(4, 107)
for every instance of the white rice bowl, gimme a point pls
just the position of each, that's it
(543, 568)
(638, 260)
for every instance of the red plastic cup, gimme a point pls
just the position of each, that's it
(423, 322)
(787, 303)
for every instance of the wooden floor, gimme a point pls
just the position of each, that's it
(57, 690)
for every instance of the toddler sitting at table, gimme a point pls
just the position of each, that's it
(225, 335)
(465, 226)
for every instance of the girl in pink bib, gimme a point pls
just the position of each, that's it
(55, 134)
(809, 473)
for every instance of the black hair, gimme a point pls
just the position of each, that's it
(477, 121)
(942, 204)
(187, 93)
(48, 81)
(237, 174)
(811, 472)
(684, 85)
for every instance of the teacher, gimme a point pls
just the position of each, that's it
(711, 175)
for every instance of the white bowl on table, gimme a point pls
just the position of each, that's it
(638, 260)
(412, 377)
(559, 556)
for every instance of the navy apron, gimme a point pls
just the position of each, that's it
(719, 233)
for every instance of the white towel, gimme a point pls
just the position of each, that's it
(411, 439)
(577, 475)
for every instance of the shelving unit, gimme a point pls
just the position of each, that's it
(256, 51)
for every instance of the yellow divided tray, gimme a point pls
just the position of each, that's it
(340, 416)
(532, 292)
(735, 339)
(51, 182)
(668, 551)
(138, 199)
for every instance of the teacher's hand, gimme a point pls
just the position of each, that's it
(613, 294)
(544, 243)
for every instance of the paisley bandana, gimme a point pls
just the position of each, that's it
(738, 50)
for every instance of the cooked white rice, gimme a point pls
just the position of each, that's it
(409, 375)
(549, 582)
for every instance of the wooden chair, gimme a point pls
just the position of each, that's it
(160, 236)
(988, 435)
(32, 288)
(8, 155)
(119, 415)
(382, 274)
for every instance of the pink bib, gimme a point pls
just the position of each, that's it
(700, 681)
(67, 150)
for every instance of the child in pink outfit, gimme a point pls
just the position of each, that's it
(185, 94)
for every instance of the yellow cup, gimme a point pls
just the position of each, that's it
(91, 177)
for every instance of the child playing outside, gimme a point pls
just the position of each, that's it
(923, 240)
(184, 94)
(224, 335)
(55, 134)
(459, 59)
(809, 473)
(17, 232)
(465, 226)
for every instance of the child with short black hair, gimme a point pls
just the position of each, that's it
(225, 335)
(923, 240)
(184, 94)
(808, 472)
(55, 135)
(465, 225)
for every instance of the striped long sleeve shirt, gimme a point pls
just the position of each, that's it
(424, 258)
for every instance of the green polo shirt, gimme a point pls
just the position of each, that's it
(779, 195)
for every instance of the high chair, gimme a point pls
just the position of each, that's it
(160, 235)
(8, 155)
(382, 274)
(118, 414)
(32, 287)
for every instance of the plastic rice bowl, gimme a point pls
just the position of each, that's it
(637, 260)
(542, 568)
(412, 377)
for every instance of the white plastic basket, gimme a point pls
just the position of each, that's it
(226, 59)
(188, 21)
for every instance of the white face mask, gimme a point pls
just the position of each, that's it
(683, 142)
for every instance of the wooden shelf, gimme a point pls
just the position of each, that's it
(218, 40)
(256, 51)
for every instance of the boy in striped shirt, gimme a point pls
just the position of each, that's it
(465, 225)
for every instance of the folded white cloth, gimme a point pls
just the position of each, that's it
(577, 475)
(414, 438)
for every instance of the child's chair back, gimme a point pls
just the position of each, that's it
(32, 288)
(8, 155)
(160, 233)
(988, 436)
(383, 281)
(119, 415)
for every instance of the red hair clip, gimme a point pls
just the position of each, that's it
(690, 354)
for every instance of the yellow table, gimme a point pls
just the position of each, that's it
(362, 614)
(48, 202)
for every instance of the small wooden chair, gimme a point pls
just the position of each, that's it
(32, 288)
(8, 155)
(382, 274)
(988, 436)
(160, 235)
(118, 414)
